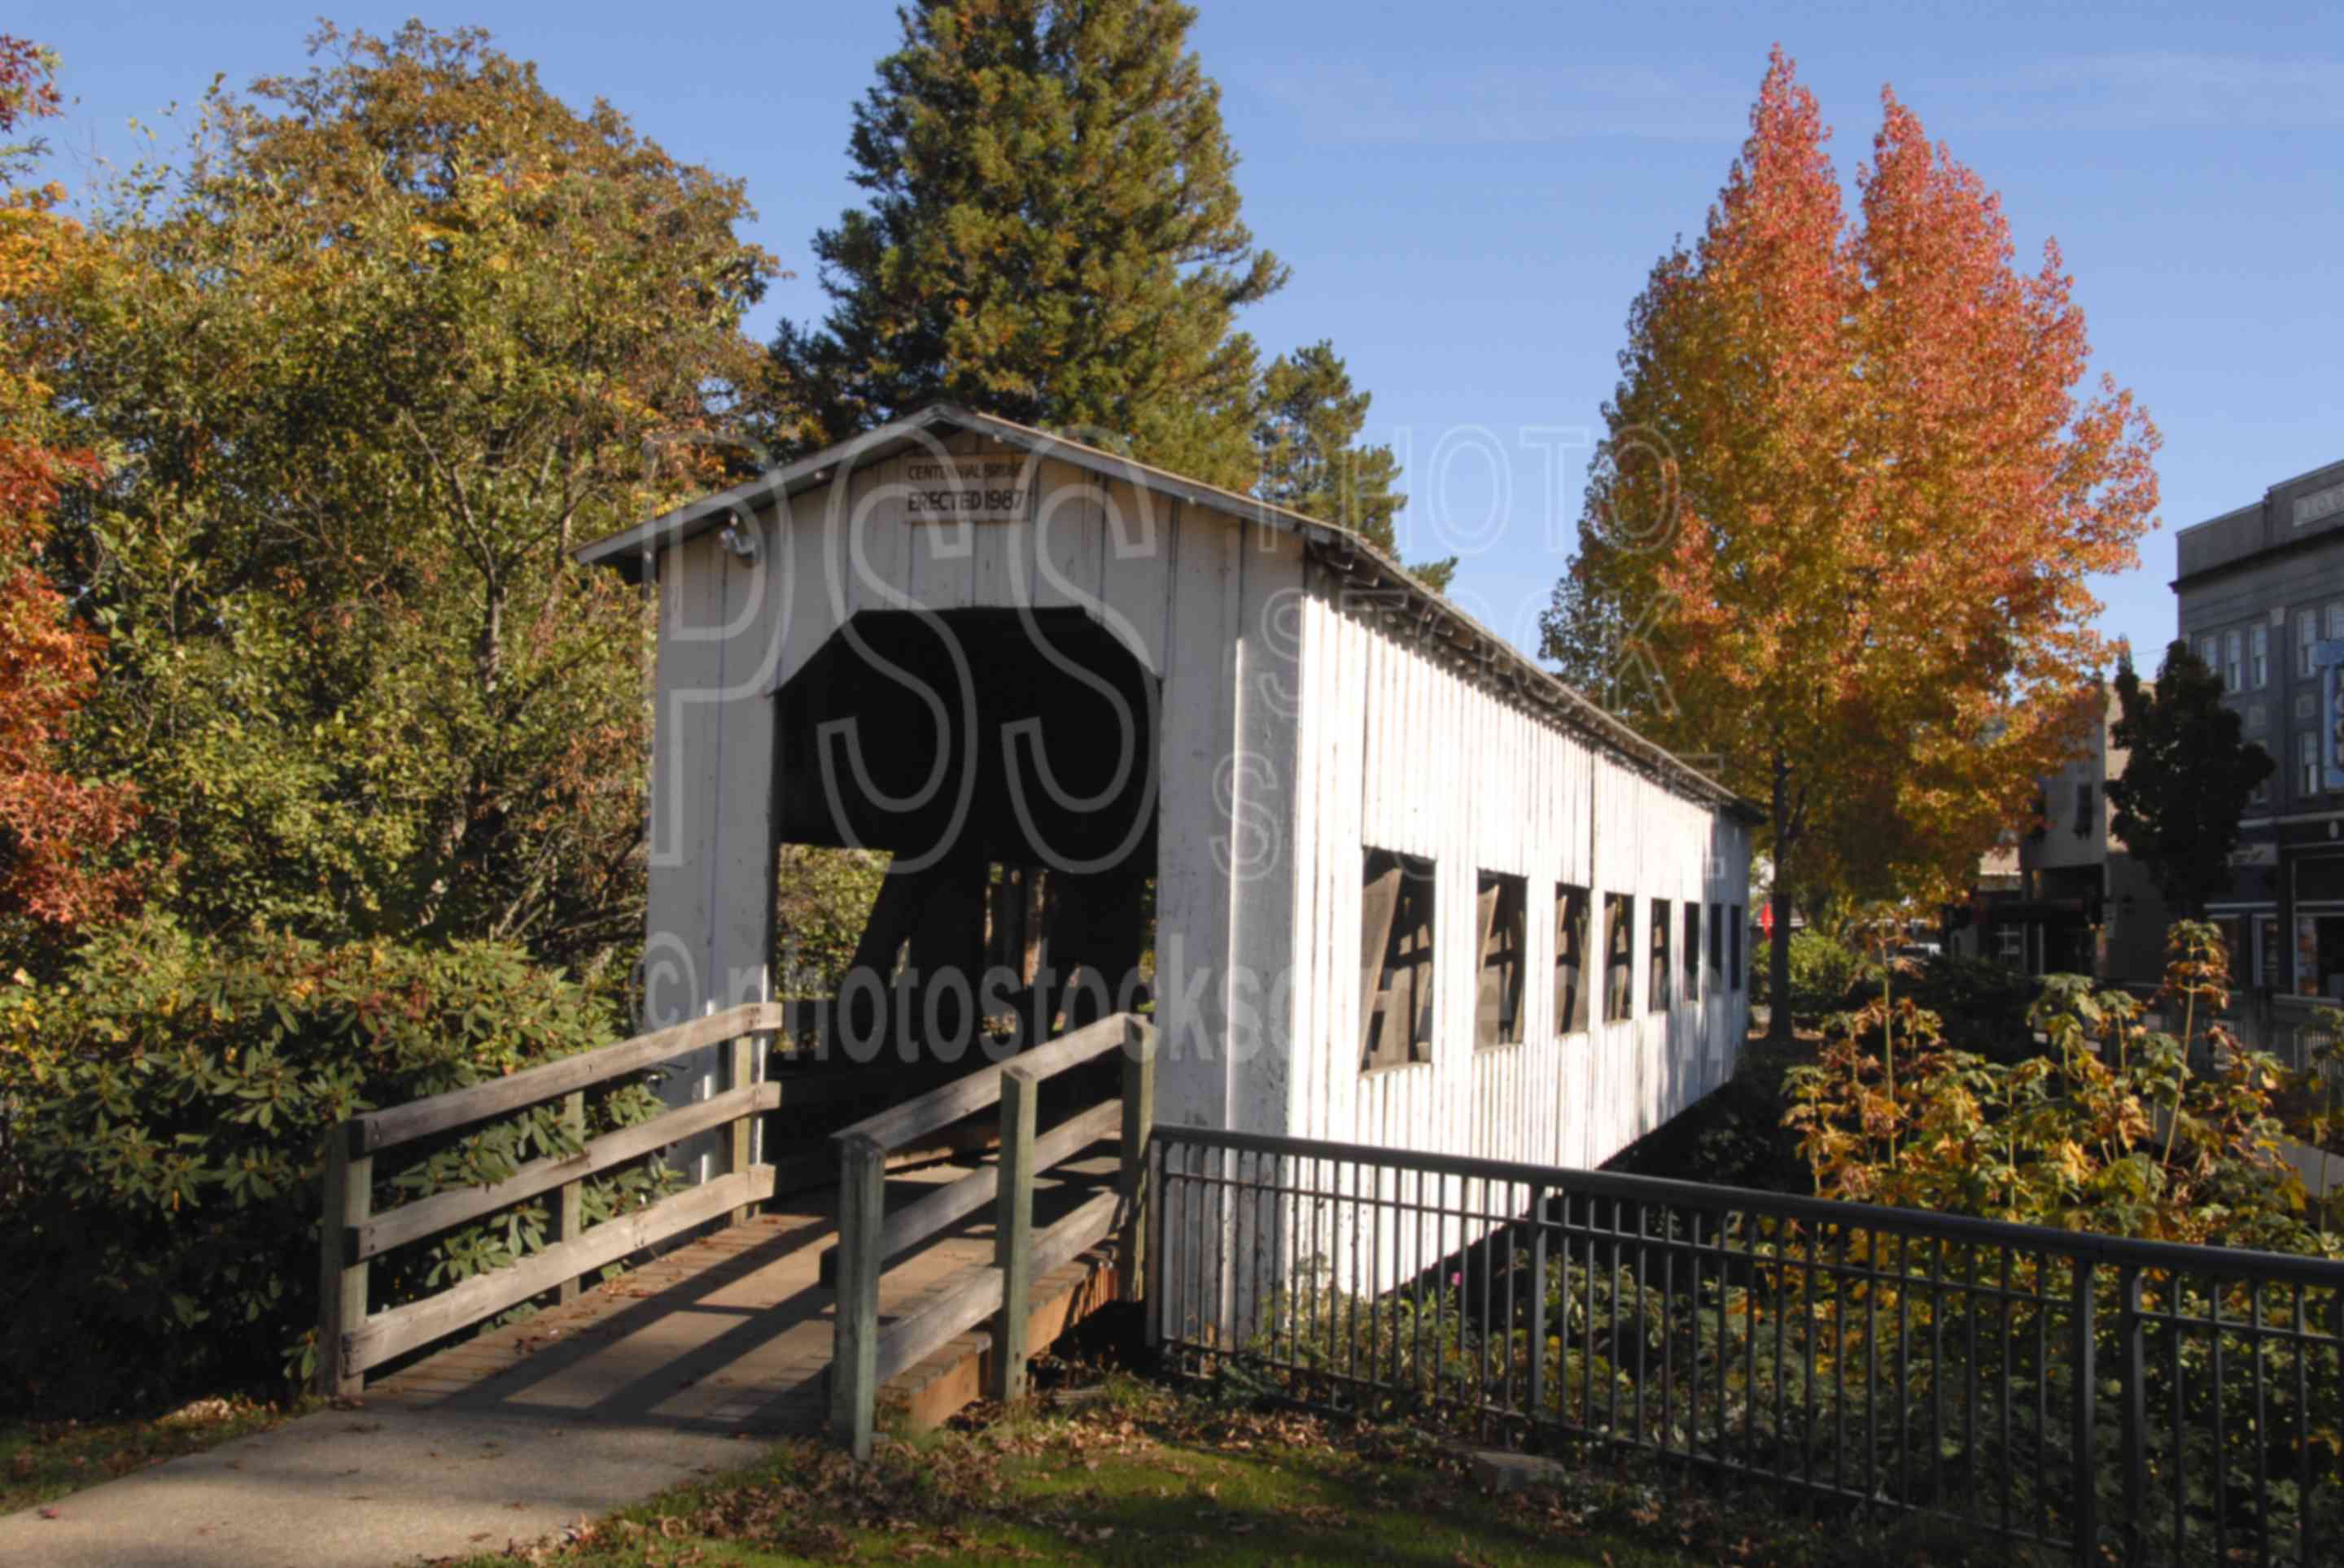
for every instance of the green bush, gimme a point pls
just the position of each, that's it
(162, 1110)
(1822, 974)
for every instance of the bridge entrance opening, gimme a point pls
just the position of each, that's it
(1006, 763)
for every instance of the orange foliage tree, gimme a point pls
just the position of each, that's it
(52, 824)
(1837, 537)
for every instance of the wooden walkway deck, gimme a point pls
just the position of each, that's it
(732, 1332)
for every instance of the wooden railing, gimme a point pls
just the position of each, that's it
(351, 1338)
(865, 1355)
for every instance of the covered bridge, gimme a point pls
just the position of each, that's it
(1133, 740)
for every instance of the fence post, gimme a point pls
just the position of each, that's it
(1139, 1118)
(2086, 1522)
(1538, 1302)
(2136, 1410)
(1013, 1234)
(854, 1353)
(349, 1200)
(742, 1073)
(568, 1205)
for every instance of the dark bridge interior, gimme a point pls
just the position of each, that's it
(1007, 759)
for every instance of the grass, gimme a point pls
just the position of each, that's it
(41, 1461)
(1141, 1474)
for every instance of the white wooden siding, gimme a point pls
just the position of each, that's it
(1296, 730)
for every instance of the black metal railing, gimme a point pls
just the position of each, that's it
(2080, 1395)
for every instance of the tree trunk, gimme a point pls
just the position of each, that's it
(1778, 943)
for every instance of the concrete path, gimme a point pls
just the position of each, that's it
(672, 1372)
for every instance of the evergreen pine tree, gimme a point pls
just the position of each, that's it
(1307, 425)
(1052, 234)
(2188, 778)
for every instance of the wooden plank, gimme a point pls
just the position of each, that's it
(921, 1221)
(741, 1076)
(341, 1278)
(570, 1204)
(854, 1377)
(1013, 1231)
(442, 1210)
(387, 1128)
(976, 1295)
(395, 1332)
(1137, 1111)
(940, 1108)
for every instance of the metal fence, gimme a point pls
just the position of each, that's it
(2079, 1395)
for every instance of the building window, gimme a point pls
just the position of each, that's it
(2256, 716)
(2336, 620)
(1656, 968)
(1503, 909)
(1569, 959)
(2307, 763)
(1395, 960)
(2209, 653)
(2234, 648)
(2319, 956)
(2010, 946)
(2307, 632)
(1717, 946)
(1691, 949)
(1733, 933)
(1619, 956)
(2259, 655)
(2082, 810)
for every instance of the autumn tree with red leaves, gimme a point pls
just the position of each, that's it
(53, 825)
(1838, 535)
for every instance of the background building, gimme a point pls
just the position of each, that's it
(2259, 588)
(2068, 898)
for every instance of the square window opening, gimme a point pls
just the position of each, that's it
(1571, 969)
(1619, 956)
(1691, 949)
(1656, 970)
(1501, 916)
(1395, 960)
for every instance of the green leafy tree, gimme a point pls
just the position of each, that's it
(1306, 436)
(2187, 780)
(168, 1103)
(1052, 234)
(392, 336)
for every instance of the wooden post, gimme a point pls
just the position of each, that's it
(1013, 1234)
(855, 1352)
(569, 1202)
(341, 1286)
(1139, 1118)
(743, 1074)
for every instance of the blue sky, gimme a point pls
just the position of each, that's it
(1470, 195)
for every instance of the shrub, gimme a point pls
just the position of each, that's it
(1823, 972)
(162, 1111)
(2109, 1130)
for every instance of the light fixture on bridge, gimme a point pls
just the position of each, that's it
(739, 536)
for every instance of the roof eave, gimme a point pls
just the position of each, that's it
(633, 551)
